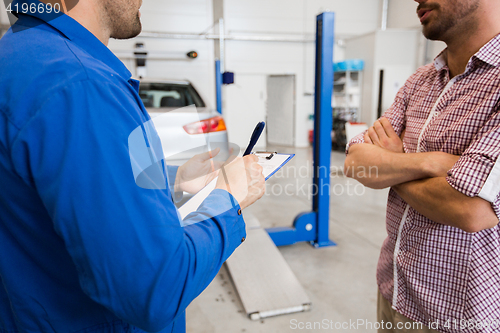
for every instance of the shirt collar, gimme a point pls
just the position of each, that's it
(440, 61)
(489, 53)
(79, 35)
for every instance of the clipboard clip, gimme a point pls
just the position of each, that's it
(271, 154)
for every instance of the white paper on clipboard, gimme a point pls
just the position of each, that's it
(270, 167)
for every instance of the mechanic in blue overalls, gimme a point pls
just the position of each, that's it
(83, 248)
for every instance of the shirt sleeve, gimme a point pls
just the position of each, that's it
(130, 251)
(395, 114)
(477, 172)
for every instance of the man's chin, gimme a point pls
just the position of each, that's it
(431, 33)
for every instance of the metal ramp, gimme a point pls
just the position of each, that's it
(265, 283)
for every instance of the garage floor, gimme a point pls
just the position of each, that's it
(340, 280)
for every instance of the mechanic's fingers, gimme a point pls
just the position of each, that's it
(231, 158)
(253, 168)
(214, 152)
(211, 176)
(386, 124)
(256, 169)
(250, 158)
(234, 159)
(209, 154)
(218, 164)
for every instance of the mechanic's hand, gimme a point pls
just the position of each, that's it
(439, 163)
(243, 178)
(383, 135)
(196, 173)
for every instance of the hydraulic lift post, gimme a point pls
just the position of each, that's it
(313, 226)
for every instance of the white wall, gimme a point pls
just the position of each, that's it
(3, 15)
(396, 54)
(4, 20)
(252, 62)
(402, 14)
(392, 50)
(363, 47)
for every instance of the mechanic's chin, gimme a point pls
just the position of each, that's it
(132, 32)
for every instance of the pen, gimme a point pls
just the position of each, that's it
(255, 137)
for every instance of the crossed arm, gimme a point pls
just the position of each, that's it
(419, 178)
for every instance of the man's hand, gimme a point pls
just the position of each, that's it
(243, 178)
(382, 154)
(439, 163)
(196, 173)
(382, 134)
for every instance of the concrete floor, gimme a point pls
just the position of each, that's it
(340, 280)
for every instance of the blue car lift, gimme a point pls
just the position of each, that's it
(313, 226)
(218, 86)
(265, 282)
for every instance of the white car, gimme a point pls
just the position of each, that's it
(185, 124)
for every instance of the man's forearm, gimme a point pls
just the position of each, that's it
(437, 200)
(378, 168)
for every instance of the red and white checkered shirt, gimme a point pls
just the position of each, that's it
(443, 274)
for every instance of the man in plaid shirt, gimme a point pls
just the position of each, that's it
(437, 148)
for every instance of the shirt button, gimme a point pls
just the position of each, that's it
(239, 211)
(243, 239)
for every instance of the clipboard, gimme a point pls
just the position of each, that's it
(270, 164)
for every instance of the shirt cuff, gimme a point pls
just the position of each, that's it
(490, 191)
(219, 202)
(360, 138)
(476, 176)
(223, 209)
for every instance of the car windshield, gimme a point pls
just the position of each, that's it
(169, 95)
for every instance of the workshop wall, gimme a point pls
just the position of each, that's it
(402, 15)
(4, 21)
(253, 61)
(3, 17)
